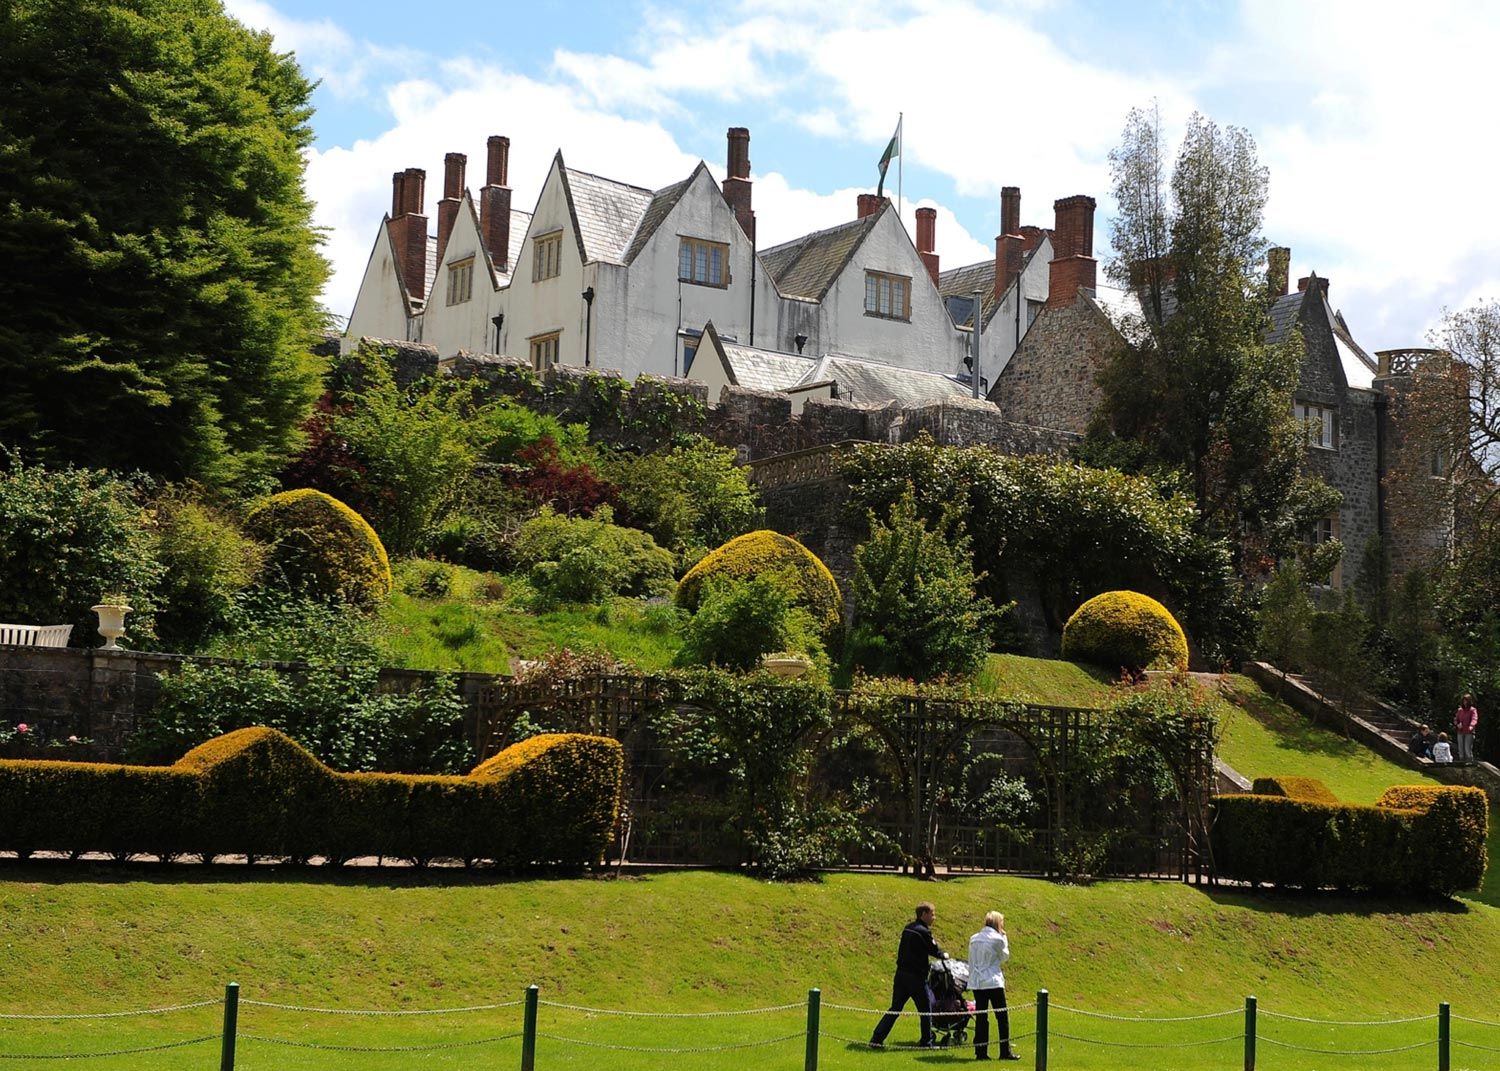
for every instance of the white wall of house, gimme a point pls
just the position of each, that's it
(379, 309)
(1000, 338)
(464, 325)
(537, 307)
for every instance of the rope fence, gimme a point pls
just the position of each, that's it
(952, 1026)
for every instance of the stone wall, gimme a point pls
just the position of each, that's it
(101, 696)
(1051, 379)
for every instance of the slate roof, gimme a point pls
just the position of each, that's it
(1359, 367)
(1284, 314)
(661, 205)
(520, 223)
(860, 381)
(1123, 308)
(607, 213)
(957, 285)
(806, 267)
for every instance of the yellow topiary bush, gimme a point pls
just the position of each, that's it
(1125, 628)
(321, 546)
(757, 553)
(1294, 788)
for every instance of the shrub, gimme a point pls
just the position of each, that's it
(1125, 628)
(917, 613)
(1416, 837)
(690, 498)
(585, 560)
(551, 800)
(207, 561)
(765, 551)
(740, 620)
(1295, 788)
(546, 478)
(322, 548)
(69, 538)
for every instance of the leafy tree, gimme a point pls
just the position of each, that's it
(1286, 615)
(691, 498)
(1339, 657)
(162, 271)
(739, 620)
(207, 561)
(917, 613)
(1198, 383)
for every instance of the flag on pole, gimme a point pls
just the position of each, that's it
(892, 151)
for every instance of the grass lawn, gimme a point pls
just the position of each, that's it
(479, 626)
(77, 939)
(1045, 680)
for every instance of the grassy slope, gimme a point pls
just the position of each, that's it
(700, 941)
(1044, 680)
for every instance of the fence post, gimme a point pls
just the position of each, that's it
(1041, 1030)
(231, 1021)
(1249, 1034)
(814, 1004)
(528, 1031)
(1443, 1036)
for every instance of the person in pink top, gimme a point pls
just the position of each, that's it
(1465, 720)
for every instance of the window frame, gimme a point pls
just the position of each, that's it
(692, 251)
(461, 281)
(1318, 422)
(889, 281)
(536, 349)
(546, 253)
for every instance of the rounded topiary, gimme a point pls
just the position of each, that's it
(758, 553)
(322, 547)
(1125, 628)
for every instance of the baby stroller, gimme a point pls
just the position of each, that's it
(946, 981)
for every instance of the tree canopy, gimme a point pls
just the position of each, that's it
(163, 270)
(1199, 389)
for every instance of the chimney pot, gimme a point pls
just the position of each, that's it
(926, 230)
(497, 163)
(1010, 210)
(1008, 253)
(1073, 265)
(868, 204)
(737, 186)
(453, 174)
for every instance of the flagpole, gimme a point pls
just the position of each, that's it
(900, 158)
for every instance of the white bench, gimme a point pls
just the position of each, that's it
(35, 635)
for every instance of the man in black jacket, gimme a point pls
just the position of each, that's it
(916, 947)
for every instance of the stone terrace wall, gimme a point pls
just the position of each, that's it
(757, 424)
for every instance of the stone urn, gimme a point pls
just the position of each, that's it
(785, 665)
(111, 623)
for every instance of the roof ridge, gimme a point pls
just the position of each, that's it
(606, 178)
(817, 234)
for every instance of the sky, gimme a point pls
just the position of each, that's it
(1375, 120)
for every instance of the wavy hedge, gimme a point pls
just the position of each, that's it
(323, 547)
(1125, 628)
(1417, 838)
(550, 800)
(758, 553)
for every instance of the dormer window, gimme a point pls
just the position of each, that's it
(702, 262)
(888, 296)
(1319, 423)
(546, 261)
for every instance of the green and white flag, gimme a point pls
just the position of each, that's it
(892, 151)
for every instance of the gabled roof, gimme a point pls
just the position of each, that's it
(519, 223)
(806, 267)
(957, 285)
(1124, 311)
(759, 369)
(1284, 314)
(605, 212)
(657, 210)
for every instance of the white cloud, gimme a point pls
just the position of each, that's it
(327, 52)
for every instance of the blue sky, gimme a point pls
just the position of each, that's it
(1373, 119)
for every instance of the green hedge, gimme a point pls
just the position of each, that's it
(550, 800)
(1308, 789)
(1417, 838)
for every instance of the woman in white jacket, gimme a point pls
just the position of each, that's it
(988, 951)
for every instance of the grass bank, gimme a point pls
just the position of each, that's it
(74, 939)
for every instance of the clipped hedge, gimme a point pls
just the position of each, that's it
(322, 547)
(550, 800)
(1309, 789)
(1418, 838)
(758, 553)
(1125, 628)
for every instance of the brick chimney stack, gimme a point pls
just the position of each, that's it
(1010, 246)
(453, 191)
(1278, 270)
(1031, 237)
(409, 229)
(1073, 264)
(868, 204)
(494, 202)
(737, 183)
(1313, 284)
(927, 240)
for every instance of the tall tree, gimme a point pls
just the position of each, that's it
(1197, 384)
(163, 270)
